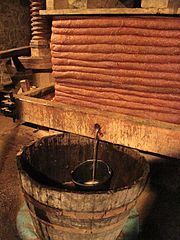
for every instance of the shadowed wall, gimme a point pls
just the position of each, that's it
(14, 24)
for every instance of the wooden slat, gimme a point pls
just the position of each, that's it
(16, 52)
(112, 11)
(146, 135)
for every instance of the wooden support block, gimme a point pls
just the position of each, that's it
(40, 48)
(40, 52)
(104, 4)
(78, 4)
(41, 79)
(54, 4)
(154, 3)
(25, 86)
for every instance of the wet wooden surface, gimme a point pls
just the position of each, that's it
(151, 136)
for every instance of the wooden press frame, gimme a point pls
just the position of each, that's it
(143, 134)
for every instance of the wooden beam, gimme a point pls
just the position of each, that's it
(16, 52)
(104, 4)
(112, 11)
(152, 136)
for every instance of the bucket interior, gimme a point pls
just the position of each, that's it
(51, 160)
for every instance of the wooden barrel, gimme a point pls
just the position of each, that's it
(62, 212)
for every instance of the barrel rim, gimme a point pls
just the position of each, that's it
(141, 179)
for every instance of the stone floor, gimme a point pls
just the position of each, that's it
(158, 206)
(12, 137)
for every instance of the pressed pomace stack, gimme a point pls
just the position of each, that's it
(128, 65)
